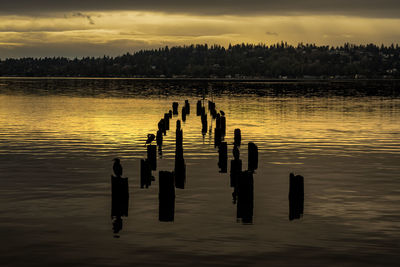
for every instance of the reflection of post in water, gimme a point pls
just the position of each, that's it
(236, 169)
(180, 167)
(152, 156)
(296, 196)
(245, 197)
(223, 157)
(145, 173)
(166, 196)
(119, 202)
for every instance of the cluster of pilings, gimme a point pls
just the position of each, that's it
(242, 181)
(168, 180)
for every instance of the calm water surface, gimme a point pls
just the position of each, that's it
(58, 139)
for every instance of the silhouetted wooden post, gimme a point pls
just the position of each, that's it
(183, 114)
(161, 126)
(170, 114)
(223, 157)
(166, 121)
(159, 138)
(198, 108)
(245, 195)
(217, 136)
(145, 173)
(218, 121)
(187, 107)
(296, 196)
(223, 125)
(166, 196)
(253, 157)
(152, 156)
(238, 137)
(175, 108)
(204, 123)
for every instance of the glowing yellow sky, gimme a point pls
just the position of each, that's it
(113, 33)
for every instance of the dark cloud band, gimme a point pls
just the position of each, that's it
(362, 8)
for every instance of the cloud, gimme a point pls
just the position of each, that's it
(360, 8)
(81, 15)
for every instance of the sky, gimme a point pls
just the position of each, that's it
(78, 28)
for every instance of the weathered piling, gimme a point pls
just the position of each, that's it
(119, 196)
(187, 107)
(166, 121)
(152, 156)
(204, 123)
(175, 108)
(166, 196)
(223, 157)
(252, 156)
(218, 121)
(183, 114)
(223, 125)
(145, 173)
(245, 197)
(159, 138)
(217, 137)
(161, 126)
(296, 196)
(179, 143)
(170, 114)
(238, 137)
(198, 108)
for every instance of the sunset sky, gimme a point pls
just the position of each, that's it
(98, 27)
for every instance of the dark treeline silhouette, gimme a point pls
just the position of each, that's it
(236, 61)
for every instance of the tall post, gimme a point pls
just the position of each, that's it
(166, 196)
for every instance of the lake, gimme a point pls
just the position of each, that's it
(58, 138)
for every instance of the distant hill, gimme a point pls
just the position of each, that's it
(305, 61)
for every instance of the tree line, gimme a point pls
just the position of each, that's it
(235, 61)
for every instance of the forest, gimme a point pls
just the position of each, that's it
(241, 61)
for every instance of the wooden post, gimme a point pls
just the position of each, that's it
(217, 137)
(175, 108)
(159, 138)
(245, 195)
(238, 137)
(166, 121)
(198, 108)
(187, 107)
(183, 114)
(145, 173)
(204, 123)
(152, 156)
(119, 196)
(166, 196)
(223, 125)
(180, 172)
(218, 121)
(170, 114)
(236, 169)
(296, 196)
(252, 157)
(223, 157)
(161, 126)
